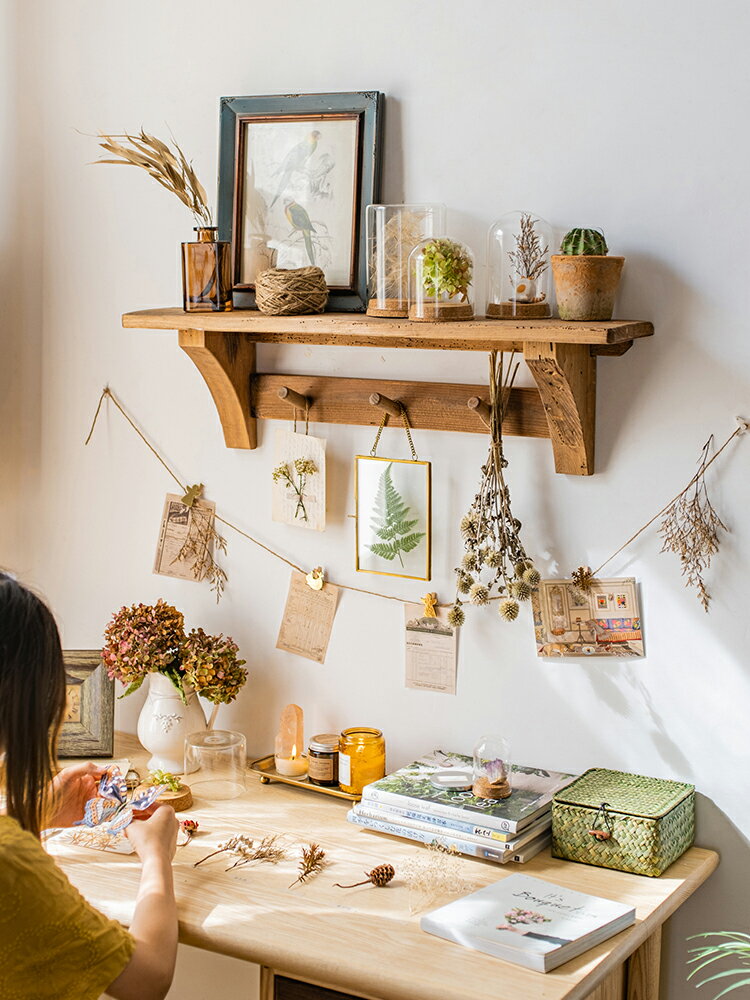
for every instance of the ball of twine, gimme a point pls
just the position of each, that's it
(290, 293)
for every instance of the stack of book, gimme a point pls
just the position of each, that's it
(408, 804)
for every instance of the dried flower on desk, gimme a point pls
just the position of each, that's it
(312, 862)
(434, 874)
(303, 469)
(380, 876)
(188, 828)
(691, 528)
(245, 849)
(267, 850)
(495, 559)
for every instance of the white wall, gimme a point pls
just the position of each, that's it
(625, 116)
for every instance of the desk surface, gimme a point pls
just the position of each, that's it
(362, 940)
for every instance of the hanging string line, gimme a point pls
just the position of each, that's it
(108, 394)
(703, 466)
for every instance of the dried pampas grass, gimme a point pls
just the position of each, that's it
(168, 167)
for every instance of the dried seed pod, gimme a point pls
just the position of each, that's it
(469, 561)
(509, 610)
(456, 616)
(520, 590)
(380, 876)
(465, 583)
(479, 594)
(492, 559)
(532, 576)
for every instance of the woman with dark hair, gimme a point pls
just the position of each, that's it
(54, 945)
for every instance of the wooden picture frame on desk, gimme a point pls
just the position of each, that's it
(296, 174)
(88, 725)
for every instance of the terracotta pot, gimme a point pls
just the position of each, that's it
(586, 286)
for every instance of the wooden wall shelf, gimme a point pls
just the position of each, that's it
(561, 356)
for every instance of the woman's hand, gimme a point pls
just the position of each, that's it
(71, 790)
(156, 834)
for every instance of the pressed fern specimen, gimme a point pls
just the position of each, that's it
(391, 522)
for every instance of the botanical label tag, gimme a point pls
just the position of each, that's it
(308, 619)
(430, 650)
(299, 480)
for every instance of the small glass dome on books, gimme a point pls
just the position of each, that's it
(441, 273)
(492, 768)
(518, 265)
(392, 233)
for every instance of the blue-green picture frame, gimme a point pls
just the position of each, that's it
(365, 109)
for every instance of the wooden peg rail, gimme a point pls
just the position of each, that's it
(561, 356)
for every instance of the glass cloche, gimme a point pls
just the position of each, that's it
(441, 272)
(392, 233)
(492, 768)
(518, 266)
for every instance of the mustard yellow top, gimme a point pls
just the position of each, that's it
(53, 944)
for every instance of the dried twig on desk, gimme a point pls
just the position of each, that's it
(312, 862)
(245, 849)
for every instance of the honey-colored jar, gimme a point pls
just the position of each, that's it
(361, 758)
(323, 760)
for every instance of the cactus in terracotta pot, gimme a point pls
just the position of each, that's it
(584, 242)
(586, 277)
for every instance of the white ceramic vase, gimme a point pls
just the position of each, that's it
(165, 721)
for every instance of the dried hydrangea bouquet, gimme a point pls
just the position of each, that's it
(495, 565)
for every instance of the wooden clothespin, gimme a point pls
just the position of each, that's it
(193, 494)
(429, 601)
(315, 579)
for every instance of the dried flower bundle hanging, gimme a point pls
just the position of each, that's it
(168, 167)
(691, 528)
(494, 558)
(311, 863)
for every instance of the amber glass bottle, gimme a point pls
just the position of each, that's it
(361, 758)
(206, 273)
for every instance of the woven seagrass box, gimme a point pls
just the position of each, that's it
(626, 821)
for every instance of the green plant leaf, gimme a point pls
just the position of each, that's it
(390, 521)
(176, 678)
(133, 686)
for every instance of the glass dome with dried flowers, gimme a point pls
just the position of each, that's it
(441, 272)
(492, 768)
(392, 233)
(518, 264)
(150, 641)
(206, 261)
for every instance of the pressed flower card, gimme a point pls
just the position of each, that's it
(299, 480)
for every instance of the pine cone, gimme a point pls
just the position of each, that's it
(382, 875)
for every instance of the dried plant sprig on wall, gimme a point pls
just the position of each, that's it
(691, 528)
(494, 558)
(312, 862)
(168, 167)
(529, 259)
(201, 543)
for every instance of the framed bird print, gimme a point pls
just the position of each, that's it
(295, 177)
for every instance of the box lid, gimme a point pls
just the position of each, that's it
(631, 794)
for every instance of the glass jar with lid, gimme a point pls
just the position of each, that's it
(361, 758)
(323, 760)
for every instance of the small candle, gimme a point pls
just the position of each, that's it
(292, 767)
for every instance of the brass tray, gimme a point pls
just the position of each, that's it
(264, 767)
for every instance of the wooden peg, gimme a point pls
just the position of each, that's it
(295, 399)
(479, 406)
(394, 408)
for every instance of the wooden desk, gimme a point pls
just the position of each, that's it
(364, 941)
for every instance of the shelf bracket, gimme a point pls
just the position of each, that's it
(227, 362)
(565, 375)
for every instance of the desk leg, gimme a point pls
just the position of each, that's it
(266, 983)
(613, 987)
(643, 969)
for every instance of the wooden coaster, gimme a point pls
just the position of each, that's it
(518, 310)
(180, 800)
(444, 312)
(390, 307)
